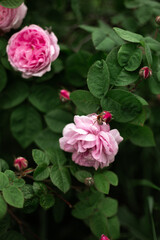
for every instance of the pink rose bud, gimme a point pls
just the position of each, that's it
(32, 50)
(91, 144)
(157, 19)
(12, 18)
(107, 116)
(20, 163)
(145, 72)
(103, 237)
(64, 95)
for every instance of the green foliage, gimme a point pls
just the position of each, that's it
(13, 196)
(123, 105)
(11, 3)
(3, 208)
(129, 56)
(59, 174)
(25, 124)
(85, 101)
(56, 121)
(98, 79)
(99, 65)
(118, 75)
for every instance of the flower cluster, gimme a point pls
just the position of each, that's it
(92, 144)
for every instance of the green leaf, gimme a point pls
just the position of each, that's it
(82, 211)
(39, 188)
(82, 175)
(13, 180)
(25, 125)
(3, 44)
(13, 196)
(129, 56)
(85, 101)
(13, 235)
(128, 36)
(123, 105)
(146, 183)
(114, 227)
(44, 97)
(47, 201)
(42, 172)
(143, 14)
(88, 28)
(111, 177)
(154, 84)
(47, 140)
(60, 177)
(75, 4)
(77, 66)
(59, 174)
(148, 54)
(3, 78)
(11, 3)
(133, 3)
(142, 136)
(118, 75)
(58, 119)
(98, 79)
(40, 157)
(3, 208)
(28, 192)
(14, 94)
(101, 183)
(3, 165)
(102, 41)
(98, 224)
(152, 43)
(4, 181)
(108, 207)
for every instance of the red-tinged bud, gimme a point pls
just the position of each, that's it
(145, 72)
(64, 95)
(157, 20)
(103, 237)
(20, 163)
(107, 116)
(89, 181)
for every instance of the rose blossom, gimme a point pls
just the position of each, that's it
(11, 18)
(32, 50)
(92, 144)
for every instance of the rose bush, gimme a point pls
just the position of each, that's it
(92, 144)
(67, 121)
(32, 50)
(12, 18)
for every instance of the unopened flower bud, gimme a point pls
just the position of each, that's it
(64, 95)
(145, 72)
(89, 181)
(103, 237)
(157, 20)
(20, 163)
(107, 117)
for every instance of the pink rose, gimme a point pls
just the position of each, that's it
(92, 144)
(32, 50)
(11, 18)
